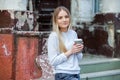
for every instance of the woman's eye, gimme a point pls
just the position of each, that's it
(59, 17)
(63, 17)
(66, 16)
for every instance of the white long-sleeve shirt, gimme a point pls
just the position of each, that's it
(59, 61)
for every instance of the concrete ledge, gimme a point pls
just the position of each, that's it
(101, 74)
(97, 61)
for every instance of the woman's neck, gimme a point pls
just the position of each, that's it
(64, 30)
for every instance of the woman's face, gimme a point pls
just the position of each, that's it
(63, 20)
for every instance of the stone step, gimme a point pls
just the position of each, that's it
(95, 64)
(102, 75)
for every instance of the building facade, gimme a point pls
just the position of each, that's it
(26, 24)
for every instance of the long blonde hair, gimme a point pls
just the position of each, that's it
(56, 27)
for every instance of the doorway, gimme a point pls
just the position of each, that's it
(45, 9)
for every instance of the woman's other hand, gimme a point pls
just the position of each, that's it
(75, 49)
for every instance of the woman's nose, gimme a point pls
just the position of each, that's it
(64, 19)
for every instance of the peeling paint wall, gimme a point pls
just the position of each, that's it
(18, 45)
(87, 19)
(25, 21)
(22, 25)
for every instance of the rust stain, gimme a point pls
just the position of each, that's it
(5, 19)
(6, 51)
(26, 53)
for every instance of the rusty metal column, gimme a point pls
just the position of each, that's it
(6, 55)
(18, 45)
(27, 50)
(26, 46)
(6, 45)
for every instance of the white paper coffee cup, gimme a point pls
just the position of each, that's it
(78, 41)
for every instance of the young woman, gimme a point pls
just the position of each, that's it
(64, 55)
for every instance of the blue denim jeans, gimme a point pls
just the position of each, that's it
(64, 76)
